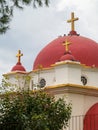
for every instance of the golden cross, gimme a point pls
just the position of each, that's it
(66, 44)
(19, 55)
(72, 20)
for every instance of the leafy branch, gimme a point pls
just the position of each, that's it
(7, 7)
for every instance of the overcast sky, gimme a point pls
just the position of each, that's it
(32, 29)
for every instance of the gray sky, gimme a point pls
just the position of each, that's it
(32, 29)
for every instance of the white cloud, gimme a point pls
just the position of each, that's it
(79, 4)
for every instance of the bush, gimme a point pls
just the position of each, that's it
(36, 111)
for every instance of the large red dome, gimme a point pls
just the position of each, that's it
(83, 49)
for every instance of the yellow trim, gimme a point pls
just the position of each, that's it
(74, 63)
(66, 62)
(49, 68)
(15, 72)
(72, 85)
(54, 87)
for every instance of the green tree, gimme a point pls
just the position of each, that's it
(7, 7)
(33, 111)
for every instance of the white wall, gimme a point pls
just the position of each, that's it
(61, 74)
(18, 81)
(80, 105)
(67, 72)
(91, 75)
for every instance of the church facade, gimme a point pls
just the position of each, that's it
(66, 67)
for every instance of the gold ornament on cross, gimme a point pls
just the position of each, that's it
(66, 44)
(19, 55)
(72, 21)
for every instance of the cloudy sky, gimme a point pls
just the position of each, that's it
(32, 29)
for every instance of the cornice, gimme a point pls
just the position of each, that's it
(72, 88)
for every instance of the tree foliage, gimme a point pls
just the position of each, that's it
(37, 111)
(7, 7)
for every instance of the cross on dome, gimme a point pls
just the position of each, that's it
(72, 21)
(19, 55)
(66, 44)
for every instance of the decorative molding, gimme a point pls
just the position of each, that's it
(15, 72)
(72, 88)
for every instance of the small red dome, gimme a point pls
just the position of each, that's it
(67, 56)
(83, 49)
(18, 67)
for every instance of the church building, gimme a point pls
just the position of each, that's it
(66, 67)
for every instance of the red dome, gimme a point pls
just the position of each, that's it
(83, 49)
(18, 67)
(67, 56)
